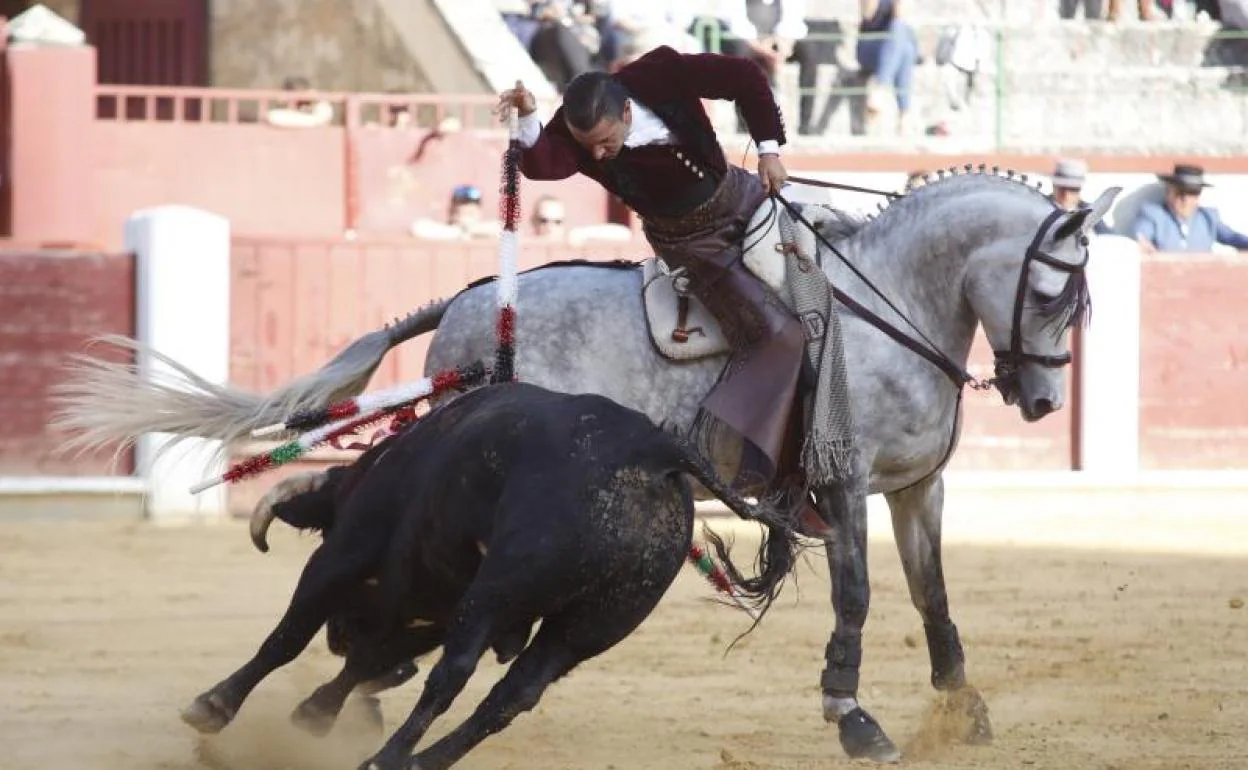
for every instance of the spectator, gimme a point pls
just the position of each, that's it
(1068, 178)
(1181, 223)
(887, 56)
(304, 113)
(464, 218)
(1092, 9)
(772, 33)
(518, 16)
(565, 42)
(548, 219)
(639, 26)
(1145, 8)
(1229, 48)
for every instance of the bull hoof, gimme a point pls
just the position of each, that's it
(863, 738)
(311, 718)
(969, 702)
(399, 675)
(369, 708)
(208, 714)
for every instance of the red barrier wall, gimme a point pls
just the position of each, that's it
(263, 179)
(51, 302)
(296, 303)
(1193, 362)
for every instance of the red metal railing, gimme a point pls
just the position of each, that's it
(350, 110)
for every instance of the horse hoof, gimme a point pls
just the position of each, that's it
(862, 738)
(207, 714)
(968, 701)
(311, 718)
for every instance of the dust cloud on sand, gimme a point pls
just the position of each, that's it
(1087, 659)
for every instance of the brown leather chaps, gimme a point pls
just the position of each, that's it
(755, 394)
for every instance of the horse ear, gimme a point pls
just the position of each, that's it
(1071, 224)
(1100, 207)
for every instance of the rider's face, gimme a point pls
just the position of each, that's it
(605, 140)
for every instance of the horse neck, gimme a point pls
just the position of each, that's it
(917, 253)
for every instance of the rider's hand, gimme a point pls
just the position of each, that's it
(519, 98)
(771, 172)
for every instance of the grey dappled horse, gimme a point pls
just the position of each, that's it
(967, 249)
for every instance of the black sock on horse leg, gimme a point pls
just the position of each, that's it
(948, 660)
(844, 657)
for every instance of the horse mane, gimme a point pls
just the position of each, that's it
(1072, 307)
(844, 225)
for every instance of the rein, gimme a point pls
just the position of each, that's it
(926, 349)
(839, 186)
(1006, 363)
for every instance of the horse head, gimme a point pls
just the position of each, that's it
(1028, 292)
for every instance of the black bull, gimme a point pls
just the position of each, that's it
(508, 505)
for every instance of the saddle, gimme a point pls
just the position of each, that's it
(681, 327)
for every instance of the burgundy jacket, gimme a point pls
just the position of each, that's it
(660, 180)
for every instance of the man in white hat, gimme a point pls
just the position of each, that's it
(1068, 178)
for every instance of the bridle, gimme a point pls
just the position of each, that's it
(1007, 364)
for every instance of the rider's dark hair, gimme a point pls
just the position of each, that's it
(592, 96)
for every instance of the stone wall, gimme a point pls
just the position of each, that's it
(339, 45)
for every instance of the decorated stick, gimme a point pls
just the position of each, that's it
(344, 418)
(428, 387)
(508, 250)
(711, 571)
(293, 450)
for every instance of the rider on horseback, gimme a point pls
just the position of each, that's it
(643, 134)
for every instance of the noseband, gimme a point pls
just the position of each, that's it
(1007, 363)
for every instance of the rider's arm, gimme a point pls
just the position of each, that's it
(548, 152)
(737, 79)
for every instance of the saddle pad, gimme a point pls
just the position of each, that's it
(661, 302)
(765, 257)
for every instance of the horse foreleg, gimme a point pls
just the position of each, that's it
(916, 513)
(844, 508)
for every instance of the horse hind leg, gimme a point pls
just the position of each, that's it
(916, 513)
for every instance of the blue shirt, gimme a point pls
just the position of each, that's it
(1158, 225)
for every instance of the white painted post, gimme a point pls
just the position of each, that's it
(183, 272)
(1109, 387)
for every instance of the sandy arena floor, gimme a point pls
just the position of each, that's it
(1088, 659)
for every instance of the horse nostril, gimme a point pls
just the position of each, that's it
(1043, 406)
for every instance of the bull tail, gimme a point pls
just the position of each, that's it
(102, 402)
(777, 555)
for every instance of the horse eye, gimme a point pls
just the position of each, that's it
(1042, 299)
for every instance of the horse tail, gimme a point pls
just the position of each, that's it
(777, 554)
(101, 402)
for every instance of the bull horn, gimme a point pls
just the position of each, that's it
(261, 518)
